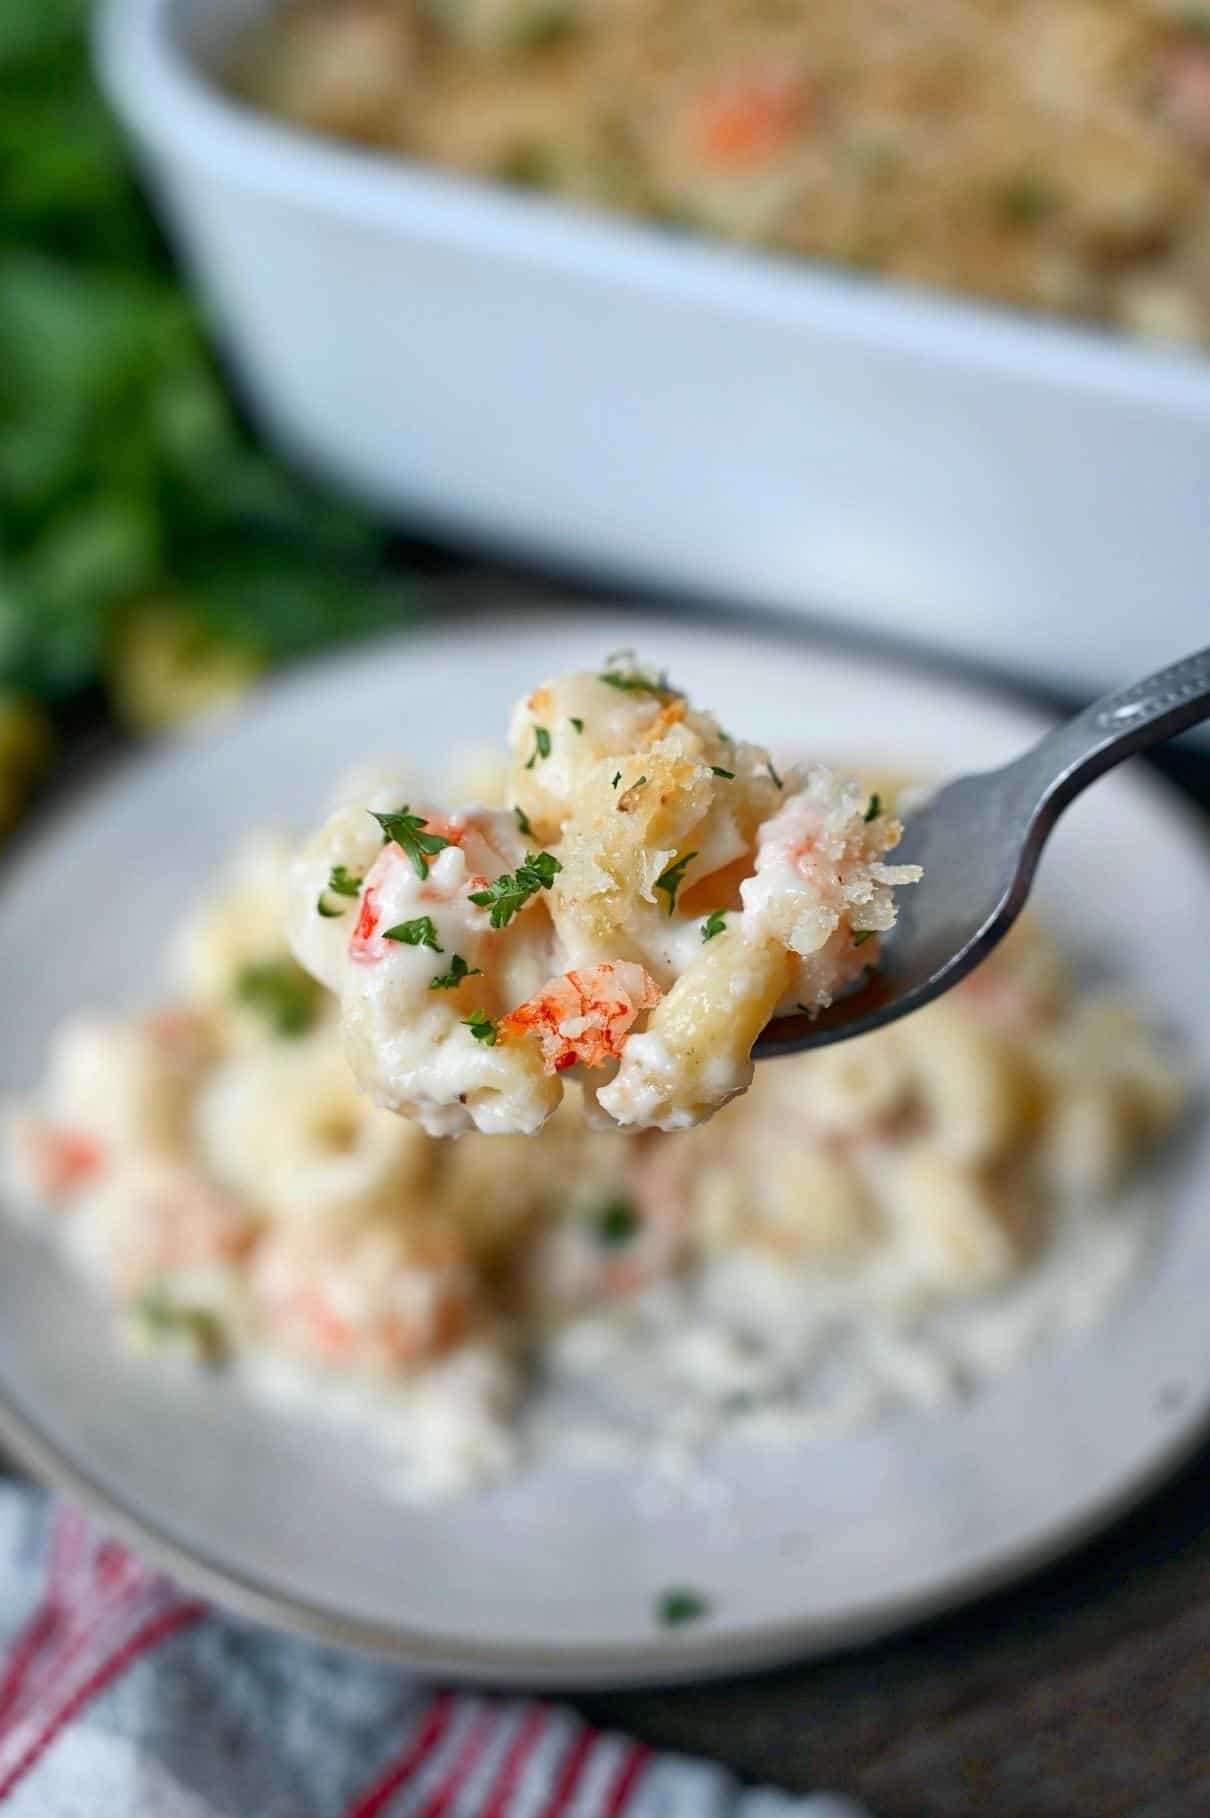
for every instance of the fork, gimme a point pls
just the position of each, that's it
(978, 841)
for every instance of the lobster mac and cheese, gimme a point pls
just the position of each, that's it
(653, 895)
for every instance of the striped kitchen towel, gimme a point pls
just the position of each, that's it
(123, 1697)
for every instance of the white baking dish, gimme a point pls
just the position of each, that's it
(617, 400)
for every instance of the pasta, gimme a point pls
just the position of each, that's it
(655, 894)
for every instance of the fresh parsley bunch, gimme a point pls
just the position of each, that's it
(145, 538)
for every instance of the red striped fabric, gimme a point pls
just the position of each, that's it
(167, 1623)
(571, 1771)
(477, 1738)
(33, 1644)
(32, 1640)
(523, 1744)
(433, 1723)
(627, 1778)
(101, 1609)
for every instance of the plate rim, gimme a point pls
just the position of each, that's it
(666, 1659)
(583, 1667)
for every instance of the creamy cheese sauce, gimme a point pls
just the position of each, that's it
(569, 923)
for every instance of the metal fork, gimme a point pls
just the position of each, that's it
(979, 840)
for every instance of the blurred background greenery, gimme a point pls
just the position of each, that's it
(153, 556)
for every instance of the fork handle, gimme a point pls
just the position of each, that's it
(1116, 727)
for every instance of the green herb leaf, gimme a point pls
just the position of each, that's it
(541, 746)
(548, 24)
(617, 777)
(615, 1223)
(633, 681)
(1025, 200)
(578, 724)
(873, 809)
(523, 822)
(714, 924)
(719, 771)
(155, 1317)
(773, 774)
(340, 883)
(481, 1027)
(446, 981)
(862, 935)
(680, 1605)
(513, 889)
(281, 992)
(420, 933)
(406, 830)
(673, 877)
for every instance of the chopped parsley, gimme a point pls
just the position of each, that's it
(616, 1222)
(862, 935)
(1025, 200)
(679, 1605)
(481, 1027)
(773, 773)
(578, 724)
(671, 879)
(281, 992)
(446, 981)
(617, 777)
(545, 25)
(513, 890)
(523, 821)
(155, 1318)
(541, 746)
(714, 924)
(340, 883)
(633, 681)
(406, 830)
(804, 1008)
(719, 771)
(420, 933)
(873, 808)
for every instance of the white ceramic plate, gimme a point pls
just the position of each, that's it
(551, 1578)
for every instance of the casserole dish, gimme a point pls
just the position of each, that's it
(616, 400)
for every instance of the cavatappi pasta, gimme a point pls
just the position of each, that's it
(652, 895)
(1048, 153)
(214, 1169)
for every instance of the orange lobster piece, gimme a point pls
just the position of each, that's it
(749, 119)
(59, 1160)
(585, 1015)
